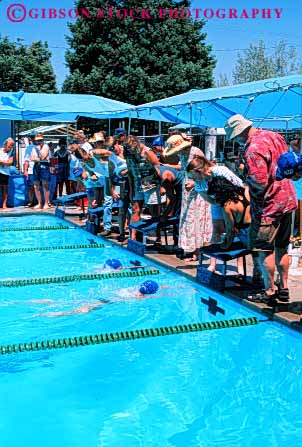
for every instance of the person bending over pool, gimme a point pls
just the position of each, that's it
(235, 203)
(147, 288)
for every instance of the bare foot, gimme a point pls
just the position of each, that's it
(212, 269)
(193, 258)
(37, 207)
(46, 207)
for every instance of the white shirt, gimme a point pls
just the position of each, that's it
(74, 162)
(27, 156)
(223, 171)
(5, 156)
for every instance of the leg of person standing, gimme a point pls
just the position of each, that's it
(282, 257)
(271, 242)
(107, 217)
(4, 186)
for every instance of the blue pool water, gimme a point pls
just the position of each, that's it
(231, 387)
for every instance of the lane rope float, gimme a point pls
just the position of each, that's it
(71, 278)
(48, 227)
(55, 247)
(112, 337)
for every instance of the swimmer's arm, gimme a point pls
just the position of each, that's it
(79, 310)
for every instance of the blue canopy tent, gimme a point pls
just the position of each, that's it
(56, 107)
(66, 107)
(271, 103)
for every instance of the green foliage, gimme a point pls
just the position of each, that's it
(223, 80)
(137, 60)
(26, 68)
(255, 63)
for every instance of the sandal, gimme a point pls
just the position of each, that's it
(263, 298)
(239, 277)
(283, 295)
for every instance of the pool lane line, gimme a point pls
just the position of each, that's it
(55, 247)
(48, 227)
(113, 337)
(72, 278)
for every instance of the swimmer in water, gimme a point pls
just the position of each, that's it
(147, 288)
(115, 264)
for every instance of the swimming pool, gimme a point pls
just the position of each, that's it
(238, 386)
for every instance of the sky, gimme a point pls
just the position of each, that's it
(228, 36)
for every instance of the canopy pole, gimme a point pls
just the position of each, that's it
(129, 125)
(109, 126)
(17, 160)
(191, 111)
(159, 127)
(144, 133)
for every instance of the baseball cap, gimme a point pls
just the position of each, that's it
(119, 132)
(158, 141)
(288, 165)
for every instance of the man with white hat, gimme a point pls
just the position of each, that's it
(272, 203)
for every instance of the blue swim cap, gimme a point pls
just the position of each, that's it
(113, 264)
(149, 287)
(158, 141)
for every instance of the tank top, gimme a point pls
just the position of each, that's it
(241, 225)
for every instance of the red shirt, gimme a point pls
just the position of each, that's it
(270, 199)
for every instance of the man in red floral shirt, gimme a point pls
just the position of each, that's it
(272, 203)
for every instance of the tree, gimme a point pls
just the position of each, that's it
(137, 60)
(285, 60)
(255, 63)
(222, 81)
(25, 67)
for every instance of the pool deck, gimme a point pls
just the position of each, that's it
(289, 314)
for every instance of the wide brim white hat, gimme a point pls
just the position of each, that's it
(175, 144)
(235, 126)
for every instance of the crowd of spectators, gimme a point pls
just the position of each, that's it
(174, 178)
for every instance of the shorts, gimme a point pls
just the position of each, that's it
(265, 237)
(41, 172)
(4, 179)
(63, 171)
(30, 180)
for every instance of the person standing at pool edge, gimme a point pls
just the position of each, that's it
(272, 203)
(6, 160)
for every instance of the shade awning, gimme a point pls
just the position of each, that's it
(275, 103)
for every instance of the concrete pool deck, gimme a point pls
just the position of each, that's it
(289, 314)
